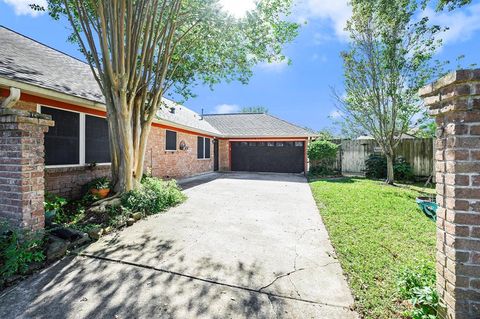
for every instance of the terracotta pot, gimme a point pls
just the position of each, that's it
(101, 193)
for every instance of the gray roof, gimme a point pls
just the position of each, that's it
(28, 61)
(254, 125)
(176, 113)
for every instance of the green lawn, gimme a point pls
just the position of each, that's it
(377, 230)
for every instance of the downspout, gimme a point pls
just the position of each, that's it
(12, 99)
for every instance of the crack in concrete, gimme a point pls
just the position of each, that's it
(280, 277)
(209, 281)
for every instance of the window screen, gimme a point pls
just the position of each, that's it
(200, 146)
(62, 142)
(97, 148)
(171, 141)
(207, 148)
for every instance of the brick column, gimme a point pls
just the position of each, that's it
(22, 167)
(454, 101)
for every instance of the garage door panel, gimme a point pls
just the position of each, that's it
(281, 157)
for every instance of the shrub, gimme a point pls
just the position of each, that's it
(322, 150)
(417, 285)
(153, 196)
(376, 168)
(321, 170)
(18, 249)
(54, 208)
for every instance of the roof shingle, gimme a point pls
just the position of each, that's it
(254, 125)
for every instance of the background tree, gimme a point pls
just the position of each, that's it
(388, 60)
(139, 50)
(254, 109)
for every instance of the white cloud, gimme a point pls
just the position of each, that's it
(334, 12)
(22, 7)
(462, 23)
(335, 114)
(237, 8)
(276, 66)
(227, 108)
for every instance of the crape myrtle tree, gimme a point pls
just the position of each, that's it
(388, 60)
(140, 50)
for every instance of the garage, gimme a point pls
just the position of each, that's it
(269, 156)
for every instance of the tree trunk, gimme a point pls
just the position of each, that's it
(390, 173)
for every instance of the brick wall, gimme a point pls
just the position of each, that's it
(22, 167)
(175, 164)
(68, 181)
(224, 155)
(454, 101)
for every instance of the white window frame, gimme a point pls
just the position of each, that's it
(81, 139)
(204, 148)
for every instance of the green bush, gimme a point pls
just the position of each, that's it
(54, 208)
(18, 249)
(153, 196)
(321, 170)
(376, 168)
(417, 285)
(322, 150)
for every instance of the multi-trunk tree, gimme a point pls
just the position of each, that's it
(388, 60)
(139, 50)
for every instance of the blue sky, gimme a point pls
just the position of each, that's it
(300, 92)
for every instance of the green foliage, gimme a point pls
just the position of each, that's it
(390, 57)
(98, 183)
(322, 150)
(153, 196)
(403, 170)
(376, 231)
(210, 45)
(54, 208)
(321, 170)
(376, 168)
(417, 285)
(18, 249)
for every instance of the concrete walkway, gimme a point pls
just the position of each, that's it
(242, 246)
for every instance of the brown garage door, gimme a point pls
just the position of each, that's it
(279, 157)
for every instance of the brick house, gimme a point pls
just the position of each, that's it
(182, 143)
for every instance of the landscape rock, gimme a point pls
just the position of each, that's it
(137, 216)
(57, 248)
(130, 221)
(83, 240)
(95, 234)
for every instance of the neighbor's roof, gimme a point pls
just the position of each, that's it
(254, 125)
(28, 61)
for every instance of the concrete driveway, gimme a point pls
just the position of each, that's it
(242, 246)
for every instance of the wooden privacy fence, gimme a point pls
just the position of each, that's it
(419, 152)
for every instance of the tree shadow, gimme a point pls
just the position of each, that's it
(86, 287)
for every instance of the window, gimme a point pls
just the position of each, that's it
(97, 148)
(299, 144)
(203, 147)
(200, 147)
(76, 139)
(279, 144)
(62, 142)
(171, 141)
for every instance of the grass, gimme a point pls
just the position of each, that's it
(377, 231)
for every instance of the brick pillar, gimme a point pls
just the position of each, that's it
(454, 101)
(22, 167)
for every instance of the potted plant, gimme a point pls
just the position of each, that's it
(99, 187)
